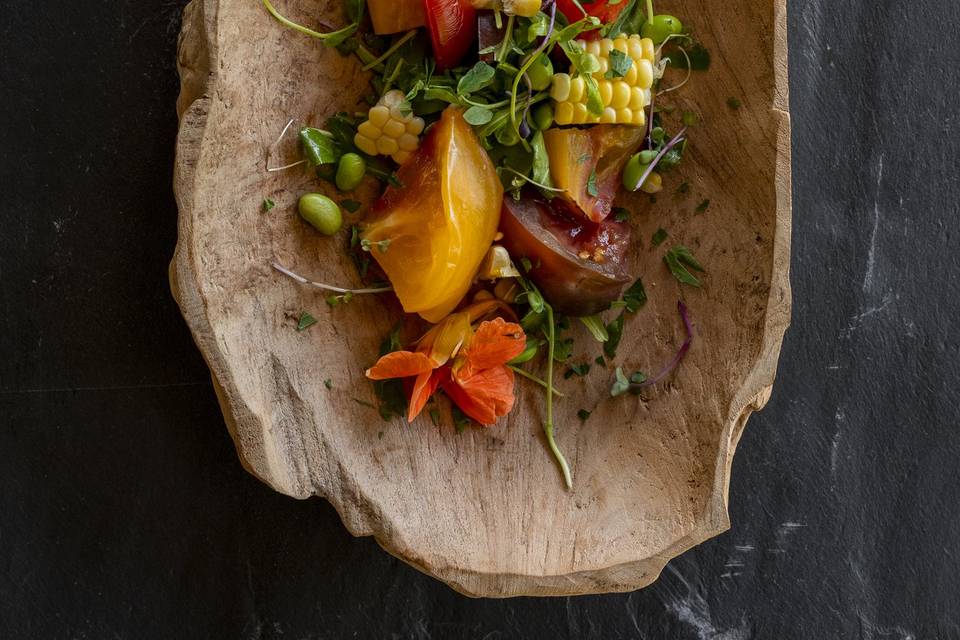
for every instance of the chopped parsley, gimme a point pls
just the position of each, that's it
(658, 237)
(679, 260)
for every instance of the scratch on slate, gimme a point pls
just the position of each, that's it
(872, 254)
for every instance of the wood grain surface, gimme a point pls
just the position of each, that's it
(484, 511)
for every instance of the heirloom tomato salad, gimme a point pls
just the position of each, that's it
(500, 133)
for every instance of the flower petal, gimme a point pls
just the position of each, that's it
(495, 343)
(401, 364)
(484, 396)
(424, 387)
(446, 338)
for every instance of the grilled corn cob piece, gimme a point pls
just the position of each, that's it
(387, 131)
(624, 97)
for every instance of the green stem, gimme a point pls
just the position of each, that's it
(650, 11)
(548, 425)
(302, 29)
(505, 44)
(530, 180)
(389, 52)
(532, 378)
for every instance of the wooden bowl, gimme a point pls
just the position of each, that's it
(484, 511)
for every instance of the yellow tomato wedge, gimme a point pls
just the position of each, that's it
(431, 234)
(587, 164)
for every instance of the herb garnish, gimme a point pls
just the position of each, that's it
(306, 320)
(679, 260)
(268, 204)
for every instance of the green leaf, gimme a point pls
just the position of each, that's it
(592, 184)
(620, 214)
(577, 370)
(583, 414)
(596, 327)
(600, 361)
(658, 237)
(435, 416)
(268, 204)
(734, 103)
(615, 333)
(563, 349)
(479, 77)
(460, 420)
(678, 260)
(620, 383)
(690, 118)
(306, 320)
(440, 93)
(328, 383)
(594, 101)
(635, 297)
(683, 188)
(620, 64)
(538, 26)
(319, 147)
(541, 161)
(477, 116)
(533, 345)
(623, 22)
(354, 9)
(702, 207)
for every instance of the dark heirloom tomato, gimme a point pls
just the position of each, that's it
(599, 8)
(579, 266)
(453, 27)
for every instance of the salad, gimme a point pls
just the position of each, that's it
(501, 133)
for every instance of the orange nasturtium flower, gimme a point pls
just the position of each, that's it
(468, 364)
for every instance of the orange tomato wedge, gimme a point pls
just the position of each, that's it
(394, 16)
(587, 164)
(441, 222)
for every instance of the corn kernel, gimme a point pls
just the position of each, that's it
(639, 117)
(560, 91)
(606, 91)
(636, 98)
(620, 44)
(367, 129)
(401, 156)
(609, 115)
(579, 113)
(624, 116)
(644, 74)
(604, 66)
(563, 114)
(365, 144)
(387, 146)
(577, 89)
(594, 48)
(648, 52)
(621, 95)
(396, 113)
(415, 126)
(407, 142)
(392, 98)
(523, 8)
(394, 128)
(378, 116)
(605, 46)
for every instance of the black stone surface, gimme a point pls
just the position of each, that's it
(125, 514)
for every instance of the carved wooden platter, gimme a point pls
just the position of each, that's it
(484, 511)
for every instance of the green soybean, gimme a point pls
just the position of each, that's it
(321, 212)
(540, 73)
(543, 116)
(350, 171)
(633, 171)
(662, 27)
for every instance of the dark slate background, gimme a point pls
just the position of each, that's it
(125, 514)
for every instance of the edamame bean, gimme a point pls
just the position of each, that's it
(662, 27)
(321, 212)
(634, 171)
(350, 171)
(540, 73)
(543, 116)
